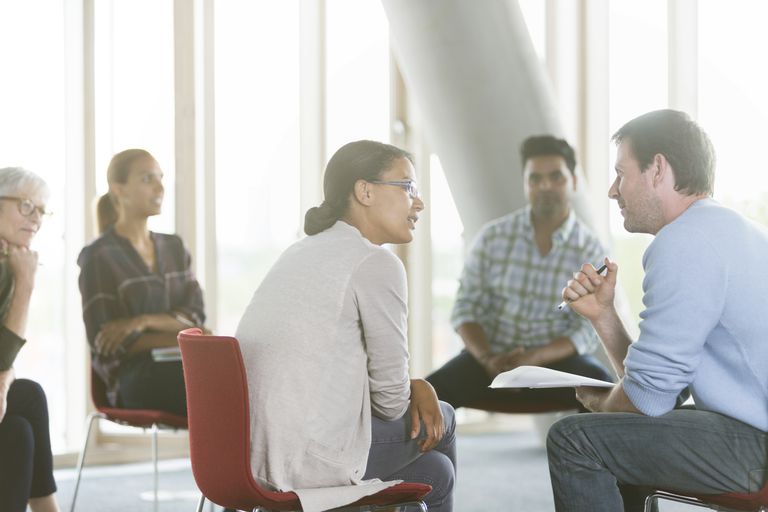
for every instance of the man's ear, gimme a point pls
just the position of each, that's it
(661, 169)
(363, 192)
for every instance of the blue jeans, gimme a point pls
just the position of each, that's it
(395, 456)
(593, 458)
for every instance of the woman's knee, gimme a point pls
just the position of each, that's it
(449, 417)
(16, 436)
(442, 477)
(26, 398)
(29, 388)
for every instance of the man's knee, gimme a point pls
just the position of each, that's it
(562, 434)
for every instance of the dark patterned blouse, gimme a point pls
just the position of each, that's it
(115, 283)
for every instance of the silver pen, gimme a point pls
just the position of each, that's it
(565, 302)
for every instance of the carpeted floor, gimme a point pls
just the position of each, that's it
(498, 472)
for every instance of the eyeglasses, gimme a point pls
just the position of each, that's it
(407, 185)
(27, 207)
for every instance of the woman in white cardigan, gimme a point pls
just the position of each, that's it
(324, 342)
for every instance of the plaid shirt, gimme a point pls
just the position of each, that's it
(513, 292)
(116, 283)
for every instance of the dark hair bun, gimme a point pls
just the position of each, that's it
(319, 219)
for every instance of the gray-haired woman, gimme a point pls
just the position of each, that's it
(26, 463)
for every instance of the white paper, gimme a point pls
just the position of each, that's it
(166, 354)
(538, 377)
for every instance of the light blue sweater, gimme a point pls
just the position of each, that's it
(705, 323)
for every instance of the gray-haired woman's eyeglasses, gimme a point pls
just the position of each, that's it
(26, 206)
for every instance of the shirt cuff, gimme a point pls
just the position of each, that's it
(650, 402)
(10, 344)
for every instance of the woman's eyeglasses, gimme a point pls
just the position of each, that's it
(27, 207)
(407, 185)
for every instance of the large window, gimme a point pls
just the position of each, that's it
(257, 145)
(134, 85)
(733, 105)
(357, 95)
(447, 262)
(32, 129)
(637, 84)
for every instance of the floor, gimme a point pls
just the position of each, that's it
(501, 468)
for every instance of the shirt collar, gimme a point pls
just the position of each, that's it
(560, 235)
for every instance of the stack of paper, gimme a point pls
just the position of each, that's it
(166, 354)
(538, 377)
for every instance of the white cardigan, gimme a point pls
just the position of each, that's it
(324, 345)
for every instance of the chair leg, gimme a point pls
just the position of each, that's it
(201, 503)
(81, 459)
(154, 461)
(656, 495)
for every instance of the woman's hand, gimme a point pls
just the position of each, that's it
(22, 262)
(112, 334)
(6, 379)
(426, 409)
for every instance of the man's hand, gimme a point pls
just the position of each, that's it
(590, 294)
(606, 399)
(495, 364)
(112, 334)
(426, 409)
(592, 398)
(6, 379)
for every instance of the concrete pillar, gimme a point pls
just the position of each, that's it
(481, 90)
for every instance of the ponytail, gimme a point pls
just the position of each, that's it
(106, 213)
(321, 217)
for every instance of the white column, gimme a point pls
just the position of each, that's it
(683, 62)
(79, 168)
(185, 126)
(312, 114)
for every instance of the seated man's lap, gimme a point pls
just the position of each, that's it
(684, 450)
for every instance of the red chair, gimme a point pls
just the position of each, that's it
(750, 502)
(141, 418)
(219, 433)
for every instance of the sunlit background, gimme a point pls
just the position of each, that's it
(257, 50)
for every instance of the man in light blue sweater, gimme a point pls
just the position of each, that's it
(704, 328)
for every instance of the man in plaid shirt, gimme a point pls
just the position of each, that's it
(506, 308)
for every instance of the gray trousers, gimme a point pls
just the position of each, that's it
(395, 456)
(594, 458)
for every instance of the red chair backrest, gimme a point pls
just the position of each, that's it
(219, 423)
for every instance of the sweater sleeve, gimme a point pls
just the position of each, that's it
(381, 296)
(684, 295)
(10, 344)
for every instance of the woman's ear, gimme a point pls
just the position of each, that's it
(363, 192)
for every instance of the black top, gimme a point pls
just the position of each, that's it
(10, 342)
